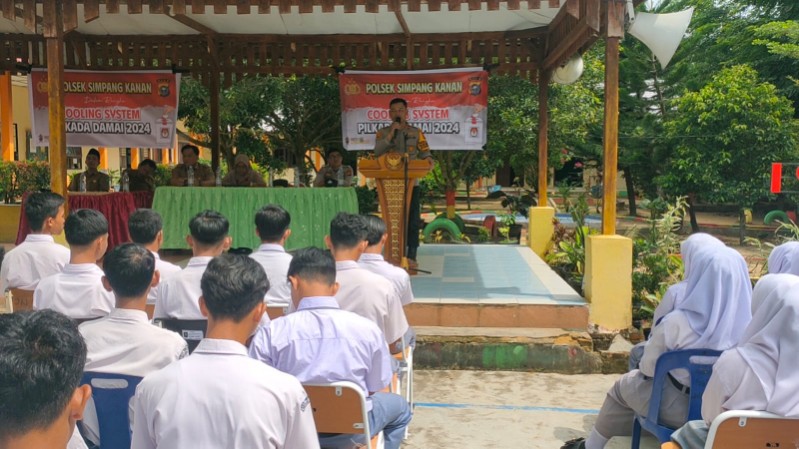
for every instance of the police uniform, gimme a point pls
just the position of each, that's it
(95, 182)
(202, 174)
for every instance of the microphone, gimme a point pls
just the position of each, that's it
(396, 120)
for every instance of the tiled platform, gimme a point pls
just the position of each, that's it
(492, 286)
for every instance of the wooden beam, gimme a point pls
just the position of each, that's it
(29, 14)
(91, 10)
(54, 35)
(543, 136)
(8, 10)
(6, 117)
(610, 160)
(193, 24)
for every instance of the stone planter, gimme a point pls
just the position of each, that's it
(9, 222)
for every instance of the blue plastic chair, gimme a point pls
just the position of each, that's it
(111, 404)
(700, 371)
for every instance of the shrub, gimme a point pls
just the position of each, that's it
(18, 177)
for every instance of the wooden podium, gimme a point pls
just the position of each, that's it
(389, 172)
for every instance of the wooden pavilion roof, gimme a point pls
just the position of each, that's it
(238, 37)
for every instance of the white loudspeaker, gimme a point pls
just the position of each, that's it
(662, 33)
(570, 71)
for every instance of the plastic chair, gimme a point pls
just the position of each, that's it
(191, 330)
(747, 429)
(404, 385)
(111, 394)
(340, 407)
(699, 368)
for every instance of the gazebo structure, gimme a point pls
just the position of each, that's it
(219, 41)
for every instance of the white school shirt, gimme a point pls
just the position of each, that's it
(179, 296)
(399, 277)
(219, 398)
(275, 261)
(732, 386)
(166, 270)
(371, 296)
(124, 342)
(673, 333)
(38, 257)
(77, 292)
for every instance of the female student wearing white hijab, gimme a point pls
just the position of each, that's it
(759, 374)
(713, 315)
(784, 259)
(676, 293)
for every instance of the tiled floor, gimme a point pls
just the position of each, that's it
(488, 274)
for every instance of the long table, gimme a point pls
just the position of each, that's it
(311, 210)
(115, 206)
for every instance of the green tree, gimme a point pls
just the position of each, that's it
(242, 109)
(725, 136)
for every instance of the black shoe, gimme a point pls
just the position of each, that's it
(576, 443)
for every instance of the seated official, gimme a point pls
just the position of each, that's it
(142, 179)
(39, 256)
(96, 181)
(41, 364)
(218, 397)
(272, 226)
(208, 238)
(361, 291)
(125, 342)
(320, 343)
(243, 174)
(761, 372)
(191, 171)
(145, 227)
(333, 174)
(77, 291)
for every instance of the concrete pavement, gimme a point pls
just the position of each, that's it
(502, 409)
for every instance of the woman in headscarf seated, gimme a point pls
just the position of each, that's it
(676, 293)
(784, 259)
(713, 314)
(243, 174)
(761, 372)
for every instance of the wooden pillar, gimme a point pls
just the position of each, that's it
(6, 117)
(214, 118)
(615, 30)
(543, 135)
(165, 156)
(103, 157)
(54, 36)
(134, 158)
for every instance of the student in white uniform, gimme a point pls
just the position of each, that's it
(218, 397)
(784, 259)
(676, 292)
(361, 291)
(760, 373)
(372, 259)
(41, 364)
(178, 296)
(272, 226)
(320, 343)
(77, 291)
(125, 342)
(713, 315)
(39, 255)
(146, 229)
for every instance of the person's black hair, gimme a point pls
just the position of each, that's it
(40, 206)
(209, 227)
(333, 150)
(272, 221)
(190, 147)
(144, 225)
(375, 229)
(93, 152)
(347, 230)
(232, 285)
(129, 268)
(313, 264)
(84, 226)
(398, 100)
(150, 163)
(42, 355)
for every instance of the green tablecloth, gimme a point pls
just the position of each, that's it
(311, 210)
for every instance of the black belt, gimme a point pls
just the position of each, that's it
(678, 385)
